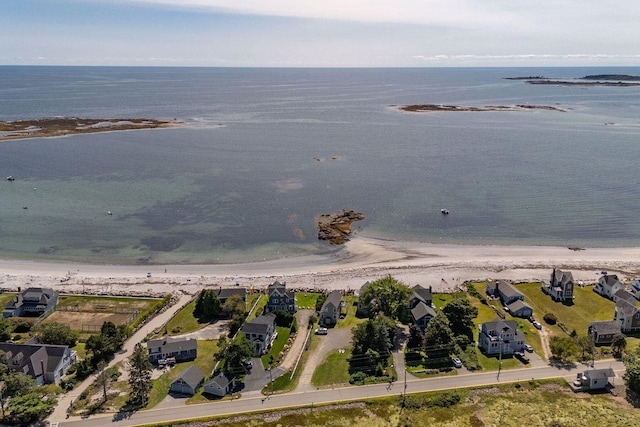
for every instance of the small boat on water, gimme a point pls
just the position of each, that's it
(10, 178)
(444, 211)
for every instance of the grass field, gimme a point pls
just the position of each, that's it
(306, 300)
(184, 322)
(350, 320)
(277, 346)
(5, 297)
(532, 404)
(333, 371)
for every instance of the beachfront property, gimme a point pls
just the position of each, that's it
(31, 302)
(505, 291)
(261, 332)
(519, 308)
(628, 315)
(45, 363)
(220, 384)
(635, 289)
(560, 286)
(330, 311)
(280, 298)
(225, 293)
(188, 382)
(180, 349)
(608, 285)
(361, 308)
(602, 333)
(500, 337)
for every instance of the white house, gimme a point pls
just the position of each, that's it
(330, 311)
(500, 336)
(261, 331)
(220, 385)
(608, 285)
(595, 379)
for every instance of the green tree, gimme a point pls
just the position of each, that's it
(563, 348)
(30, 407)
(439, 341)
(387, 296)
(619, 343)
(139, 376)
(56, 333)
(17, 383)
(207, 306)
(5, 331)
(320, 301)
(585, 346)
(372, 344)
(234, 305)
(236, 352)
(460, 314)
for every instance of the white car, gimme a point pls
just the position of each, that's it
(528, 348)
(322, 331)
(456, 362)
(537, 325)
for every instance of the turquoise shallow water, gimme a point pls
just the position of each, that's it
(265, 150)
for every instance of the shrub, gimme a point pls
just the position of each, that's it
(550, 318)
(357, 378)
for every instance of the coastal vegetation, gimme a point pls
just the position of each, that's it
(422, 108)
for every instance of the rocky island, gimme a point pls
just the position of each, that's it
(440, 107)
(336, 227)
(619, 80)
(61, 126)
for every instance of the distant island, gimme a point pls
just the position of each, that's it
(620, 80)
(60, 126)
(440, 107)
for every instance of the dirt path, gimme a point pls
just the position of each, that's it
(544, 339)
(335, 339)
(297, 347)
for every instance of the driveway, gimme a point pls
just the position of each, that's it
(258, 377)
(212, 331)
(336, 338)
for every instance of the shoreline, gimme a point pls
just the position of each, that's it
(358, 261)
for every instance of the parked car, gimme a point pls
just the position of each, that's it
(537, 324)
(528, 348)
(456, 362)
(531, 319)
(322, 331)
(248, 364)
(523, 358)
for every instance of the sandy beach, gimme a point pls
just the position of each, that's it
(363, 259)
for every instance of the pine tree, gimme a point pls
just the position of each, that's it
(139, 376)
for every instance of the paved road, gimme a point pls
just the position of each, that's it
(60, 412)
(257, 403)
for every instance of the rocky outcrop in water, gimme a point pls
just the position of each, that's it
(336, 227)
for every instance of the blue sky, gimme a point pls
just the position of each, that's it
(312, 33)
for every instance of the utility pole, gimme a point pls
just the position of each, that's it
(500, 358)
(404, 396)
(271, 379)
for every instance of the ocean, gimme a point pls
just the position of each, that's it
(264, 151)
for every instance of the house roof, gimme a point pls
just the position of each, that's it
(221, 381)
(624, 294)
(193, 376)
(635, 284)
(421, 310)
(561, 277)
(517, 305)
(610, 279)
(605, 327)
(363, 287)
(260, 325)
(422, 293)
(32, 296)
(507, 289)
(627, 307)
(280, 288)
(599, 373)
(499, 325)
(333, 298)
(224, 293)
(34, 357)
(173, 344)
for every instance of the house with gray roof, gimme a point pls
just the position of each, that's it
(421, 294)
(188, 382)
(628, 315)
(179, 348)
(500, 336)
(421, 314)
(280, 298)
(330, 311)
(31, 302)
(505, 291)
(361, 309)
(608, 285)
(519, 308)
(224, 294)
(45, 363)
(603, 332)
(595, 379)
(624, 294)
(560, 286)
(220, 385)
(261, 332)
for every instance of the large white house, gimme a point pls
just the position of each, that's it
(500, 336)
(261, 331)
(608, 285)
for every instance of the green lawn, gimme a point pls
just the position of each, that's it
(306, 300)
(262, 302)
(5, 297)
(333, 371)
(184, 322)
(440, 300)
(350, 319)
(277, 346)
(588, 307)
(107, 304)
(204, 361)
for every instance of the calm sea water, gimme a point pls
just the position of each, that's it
(265, 150)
